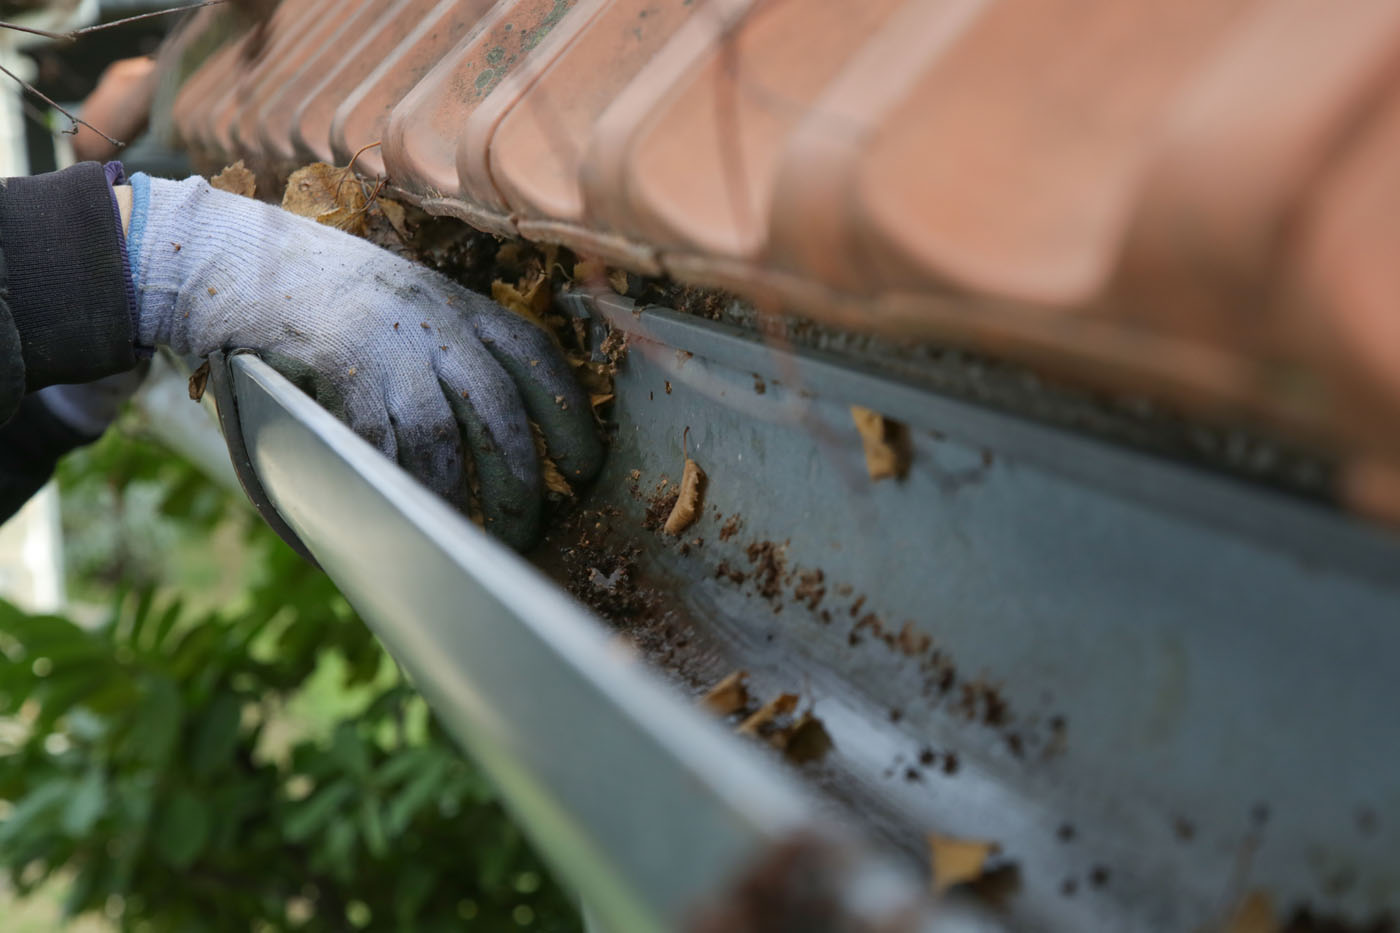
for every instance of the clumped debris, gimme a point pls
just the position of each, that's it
(957, 861)
(687, 507)
(886, 442)
(729, 696)
(328, 195)
(236, 179)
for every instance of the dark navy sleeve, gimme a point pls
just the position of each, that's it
(68, 292)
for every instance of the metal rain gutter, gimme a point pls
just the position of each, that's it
(645, 806)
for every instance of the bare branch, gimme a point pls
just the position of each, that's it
(77, 121)
(78, 33)
(87, 30)
(34, 32)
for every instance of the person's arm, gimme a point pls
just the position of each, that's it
(69, 310)
(442, 380)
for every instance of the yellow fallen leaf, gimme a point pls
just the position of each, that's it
(687, 507)
(395, 213)
(199, 380)
(329, 195)
(780, 705)
(553, 478)
(957, 861)
(529, 299)
(235, 179)
(599, 400)
(886, 443)
(728, 696)
(617, 278)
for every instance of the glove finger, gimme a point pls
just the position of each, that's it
(429, 442)
(556, 401)
(366, 415)
(497, 434)
(357, 401)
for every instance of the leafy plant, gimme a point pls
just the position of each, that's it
(153, 757)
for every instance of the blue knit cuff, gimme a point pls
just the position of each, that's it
(116, 175)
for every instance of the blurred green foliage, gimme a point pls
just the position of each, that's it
(155, 755)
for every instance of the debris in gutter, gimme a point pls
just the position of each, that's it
(886, 442)
(729, 696)
(957, 861)
(236, 179)
(806, 741)
(687, 507)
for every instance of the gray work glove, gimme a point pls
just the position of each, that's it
(423, 369)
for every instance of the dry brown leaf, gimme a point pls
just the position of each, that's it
(886, 443)
(780, 705)
(957, 861)
(807, 740)
(553, 478)
(329, 195)
(394, 212)
(728, 696)
(1255, 914)
(687, 507)
(596, 377)
(617, 278)
(236, 179)
(599, 400)
(199, 381)
(529, 299)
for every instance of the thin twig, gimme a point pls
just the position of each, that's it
(32, 31)
(359, 152)
(77, 121)
(77, 33)
(87, 30)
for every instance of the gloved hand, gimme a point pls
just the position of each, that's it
(426, 371)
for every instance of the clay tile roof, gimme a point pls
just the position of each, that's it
(1194, 199)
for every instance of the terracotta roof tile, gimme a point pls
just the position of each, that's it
(269, 119)
(311, 124)
(363, 115)
(473, 84)
(1192, 199)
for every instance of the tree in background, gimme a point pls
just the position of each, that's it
(153, 755)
